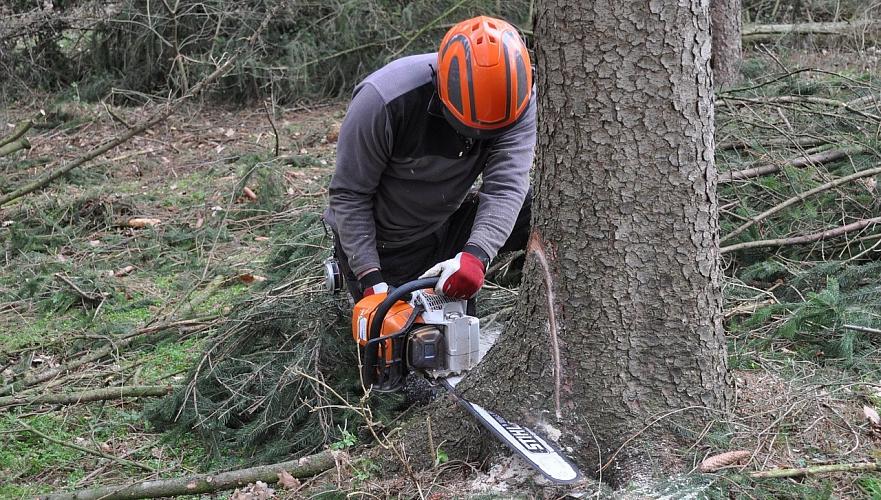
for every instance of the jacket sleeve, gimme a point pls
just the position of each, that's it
(505, 184)
(363, 150)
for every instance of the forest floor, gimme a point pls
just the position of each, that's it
(78, 277)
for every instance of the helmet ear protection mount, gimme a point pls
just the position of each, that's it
(484, 77)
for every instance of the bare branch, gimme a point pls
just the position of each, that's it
(808, 238)
(826, 156)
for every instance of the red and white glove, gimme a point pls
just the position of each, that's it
(372, 284)
(460, 277)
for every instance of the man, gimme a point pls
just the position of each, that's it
(415, 138)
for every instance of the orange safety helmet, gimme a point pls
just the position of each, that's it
(484, 76)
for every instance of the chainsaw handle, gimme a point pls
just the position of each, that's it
(370, 350)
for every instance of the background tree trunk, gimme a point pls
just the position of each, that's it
(619, 316)
(727, 52)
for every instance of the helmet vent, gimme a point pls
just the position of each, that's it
(479, 40)
(492, 39)
(491, 25)
(475, 27)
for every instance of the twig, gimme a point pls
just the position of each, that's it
(206, 483)
(85, 450)
(799, 197)
(107, 393)
(803, 161)
(806, 142)
(817, 469)
(864, 329)
(272, 124)
(91, 297)
(808, 238)
(831, 28)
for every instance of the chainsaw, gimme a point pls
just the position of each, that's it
(413, 329)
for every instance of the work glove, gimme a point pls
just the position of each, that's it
(460, 277)
(372, 283)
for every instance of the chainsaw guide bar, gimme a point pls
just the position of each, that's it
(540, 454)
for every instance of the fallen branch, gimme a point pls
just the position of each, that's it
(808, 238)
(157, 118)
(105, 394)
(817, 469)
(17, 132)
(805, 142)
(799, 197)
(12, 147)
(803, 161)
(206, 483)
(863, 329)
(752, 31)
(84, 449)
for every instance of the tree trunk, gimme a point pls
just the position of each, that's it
(618, 341)
(727, 54)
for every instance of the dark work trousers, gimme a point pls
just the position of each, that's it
(403, 264)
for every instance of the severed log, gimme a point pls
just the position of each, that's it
(104, 394)
(755, 31)
(826, 156)
(799, 197)
(17, 132)
(12, 147)
(207, 483)
(808, 238)
(817, 469)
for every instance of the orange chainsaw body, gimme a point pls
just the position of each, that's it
(395, 319)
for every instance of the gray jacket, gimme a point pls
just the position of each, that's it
(402, 170)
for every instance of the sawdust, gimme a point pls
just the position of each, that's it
(506, 475)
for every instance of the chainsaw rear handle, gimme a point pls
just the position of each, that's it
(368, 371)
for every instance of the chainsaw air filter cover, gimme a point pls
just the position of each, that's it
(427, 349)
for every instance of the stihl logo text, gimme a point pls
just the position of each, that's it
(523, 436)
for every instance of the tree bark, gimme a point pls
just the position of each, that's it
(618, 339)
(727, 51)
